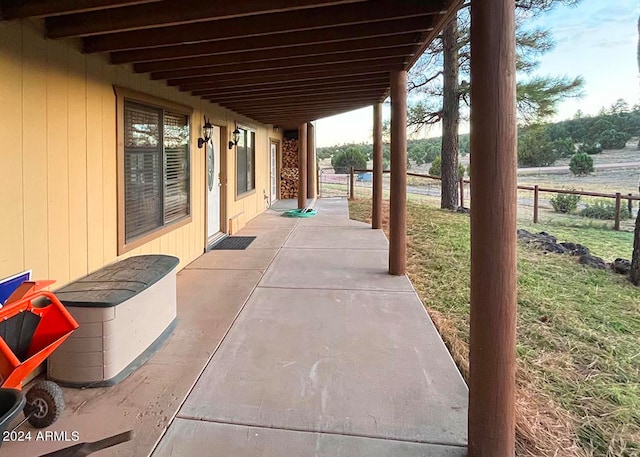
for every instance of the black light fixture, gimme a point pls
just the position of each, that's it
(236, 138)
(207, 131)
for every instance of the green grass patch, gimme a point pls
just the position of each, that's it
(578, 352)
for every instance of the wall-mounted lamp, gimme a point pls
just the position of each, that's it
(276, 129)
(207, 131)
(236, 138)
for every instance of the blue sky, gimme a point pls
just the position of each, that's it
(596, 39)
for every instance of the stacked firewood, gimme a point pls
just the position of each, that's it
(289, 153)
(289, 174)
(289, 183)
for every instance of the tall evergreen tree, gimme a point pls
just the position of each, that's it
(450, 118)
(442, 91)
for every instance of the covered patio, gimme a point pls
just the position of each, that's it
(301, 344)
(284, 64)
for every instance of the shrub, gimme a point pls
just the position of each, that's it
(342, 161)
(565, 203)
(590, 148)
(436, 168)
(612, 139)
(604, 209)
(563, 147)
(535, 148)
(581, 164)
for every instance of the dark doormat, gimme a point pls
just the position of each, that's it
(233, 243)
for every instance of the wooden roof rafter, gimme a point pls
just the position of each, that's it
(295, 64)
(286, 95)
(171, 12)
(19, 9)
(280, 41)
(326, 50)
(270, 60)
(267, 24)
(327, 84)
(267, 78)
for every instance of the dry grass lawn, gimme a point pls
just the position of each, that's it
(578, 354)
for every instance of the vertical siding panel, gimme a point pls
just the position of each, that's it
(34, 103)
(64, 220)
(200, 190)
(197, 206)
(12, 239)
(163, 244)
(95, 199)
(58, 159)
(109, 167)
(195, 188)
(78, 231)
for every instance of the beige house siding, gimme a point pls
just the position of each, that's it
(58, 194)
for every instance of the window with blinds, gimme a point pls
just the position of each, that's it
(245, 161)
(156, 168)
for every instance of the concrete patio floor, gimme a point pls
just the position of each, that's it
(301, 344)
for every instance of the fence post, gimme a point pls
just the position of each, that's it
(351, 183)
(630, 205)
(617, 221)
(461, 181)
(535, 204)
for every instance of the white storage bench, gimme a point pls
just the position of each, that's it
(126, 311)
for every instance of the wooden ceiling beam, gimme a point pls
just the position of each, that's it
(281, 41)
(295, 21)
(269, 77)
(18, 9)
(297, 108)
(285, 122)
(285, 54)
(326, 84)
(304, 101)
(302, 63)
(169, 13)
(286, 94)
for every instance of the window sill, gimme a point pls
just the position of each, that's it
(246, 194)
(123, 248)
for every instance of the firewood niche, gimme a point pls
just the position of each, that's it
(289, 174)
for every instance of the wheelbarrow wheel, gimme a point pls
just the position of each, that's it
(45, 403)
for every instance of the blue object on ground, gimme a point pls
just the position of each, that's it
(300, 213)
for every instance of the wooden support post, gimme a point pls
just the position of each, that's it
(398, 196)
(376, 217)
(493, 230)
(352, 183)
(616, 224)
(461, 184)
(311, 161)
(536, 191)
(302, 166)
(630, 205)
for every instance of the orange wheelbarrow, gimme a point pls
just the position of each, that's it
(33, 323)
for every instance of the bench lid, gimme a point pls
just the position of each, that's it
(118, 282)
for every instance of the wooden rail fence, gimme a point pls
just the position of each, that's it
(618, 197)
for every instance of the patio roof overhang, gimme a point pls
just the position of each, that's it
(280, 62)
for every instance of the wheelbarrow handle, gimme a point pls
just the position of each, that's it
(83, 449)
(110, 441)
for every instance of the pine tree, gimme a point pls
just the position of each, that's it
(442, 92)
